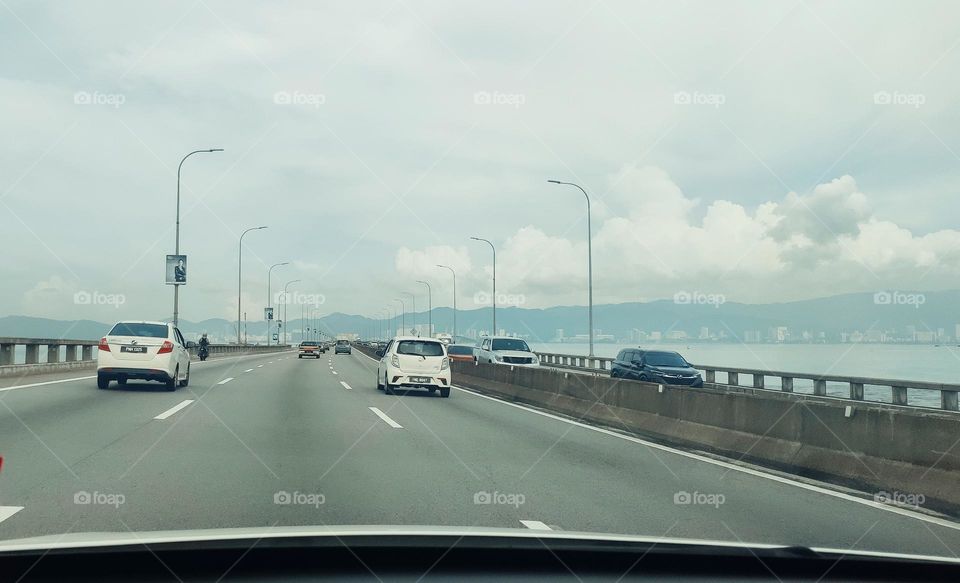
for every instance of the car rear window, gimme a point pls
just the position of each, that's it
(420, 348)
(459, 349)
(309, 344)
(139, 329)
(342, 342)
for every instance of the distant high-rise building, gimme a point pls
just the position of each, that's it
(704, 333)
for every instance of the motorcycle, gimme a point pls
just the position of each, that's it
(203, 353)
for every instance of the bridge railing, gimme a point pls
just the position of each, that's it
(59, 350)
(898, 389)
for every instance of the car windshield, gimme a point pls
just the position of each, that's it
(420, 348)
(510, 344)
(764, 191)
(664, 359)
(139, 329)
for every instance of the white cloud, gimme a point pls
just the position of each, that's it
(807, 245)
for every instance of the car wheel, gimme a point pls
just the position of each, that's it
(614, 374)
(299, 356)
(171, 383)
(103, 381)
(379, 384)
(387, 387)
(644, 378)
(185, 382)
(445, 392)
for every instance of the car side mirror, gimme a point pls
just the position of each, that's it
(191, 344)
(380, 353)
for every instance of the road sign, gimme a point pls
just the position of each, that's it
(268, 313)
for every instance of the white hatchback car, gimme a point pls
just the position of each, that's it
(505, 350)
(154, 351)
(410, 361)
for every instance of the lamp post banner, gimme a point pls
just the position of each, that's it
(176, 269)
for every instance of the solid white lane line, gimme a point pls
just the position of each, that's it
(47, 383)
(535, 525)
(248, 370)
(346, 386)
(8, 511)
(225, 381)
(174, 409)
(728, 465)
(383, 416)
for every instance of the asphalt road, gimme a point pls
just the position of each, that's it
(273, 440)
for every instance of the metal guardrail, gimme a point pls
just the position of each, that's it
(899, 389)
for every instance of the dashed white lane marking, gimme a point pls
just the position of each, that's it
(334, 372)
(259, 366)
(225, 381)
(346, 386)
(383, 416)
(173, 410)
(248, 370)
(535, 525)
(8, 511)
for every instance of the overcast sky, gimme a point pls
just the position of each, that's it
(766, 151)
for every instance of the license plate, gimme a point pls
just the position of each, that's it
(136, 349)
(420, 379)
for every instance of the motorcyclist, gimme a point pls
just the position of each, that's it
(204, 345)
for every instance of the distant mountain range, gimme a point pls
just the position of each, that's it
(834, 315)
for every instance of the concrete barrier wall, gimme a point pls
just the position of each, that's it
(873, 447)
(216, 351)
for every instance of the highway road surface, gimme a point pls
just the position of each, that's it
(274, 440)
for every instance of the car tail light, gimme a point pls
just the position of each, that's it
(444, 364)
(395, 361)
(166, 347)
(103, 344)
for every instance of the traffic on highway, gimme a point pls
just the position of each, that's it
(408, 290)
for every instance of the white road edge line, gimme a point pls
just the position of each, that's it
(174, 409)
(535, 525)
(346, 386)
(727, 465)
(8, 511)
(225, 381)
(47, 383)
(72, 379)
(383, 416)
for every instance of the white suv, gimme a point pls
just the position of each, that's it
(410, 361)
(154, 351)
(505, 350)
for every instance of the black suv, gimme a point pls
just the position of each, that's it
(655, 366)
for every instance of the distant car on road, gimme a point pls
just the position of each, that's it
(410, 361)
(310, 348)
(505, 350)
(153, 351)
(655, 366)
(460, 352)
(342, 347)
